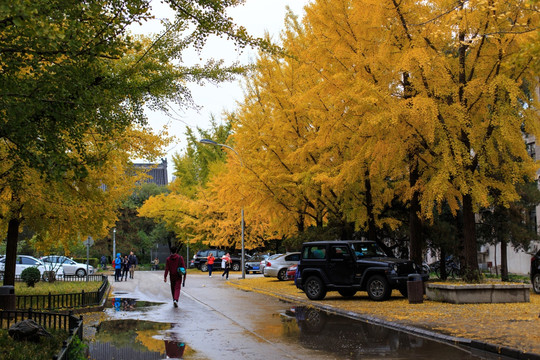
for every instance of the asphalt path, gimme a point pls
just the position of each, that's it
(219, 321)
(216, 320)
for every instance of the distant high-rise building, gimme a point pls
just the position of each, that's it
(157, 172)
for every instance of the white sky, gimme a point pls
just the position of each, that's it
(257, 16)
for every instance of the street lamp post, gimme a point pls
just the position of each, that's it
(114, 244)
(213, 143)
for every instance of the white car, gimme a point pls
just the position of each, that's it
(278, 267)
(70, 267)
(26, 261)
(263, 262)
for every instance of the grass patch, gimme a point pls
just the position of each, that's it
(58, 287)
(46, 348)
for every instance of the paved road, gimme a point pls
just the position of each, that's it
(216, 320)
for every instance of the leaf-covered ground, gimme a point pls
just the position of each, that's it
(515, 325)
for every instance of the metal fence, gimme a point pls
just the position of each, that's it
(68, 322)
(63, 301)
(93, 277)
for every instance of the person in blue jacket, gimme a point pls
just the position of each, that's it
(118, 268)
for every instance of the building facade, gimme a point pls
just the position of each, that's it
(158, 172)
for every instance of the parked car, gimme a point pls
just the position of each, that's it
(253, 264)
(535, 272)
(70, 266)
(349, 266)
(199, 259)
(291, 272)
(263, 262)
(25, 261)
(278, 267)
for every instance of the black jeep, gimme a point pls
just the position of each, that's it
(348, 266)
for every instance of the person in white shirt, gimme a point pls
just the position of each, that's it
(225, 265)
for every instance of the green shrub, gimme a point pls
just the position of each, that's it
(77, 349)
(30, 276)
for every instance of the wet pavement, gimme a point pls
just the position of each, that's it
(217, 321)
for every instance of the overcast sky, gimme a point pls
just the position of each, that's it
(257, 16)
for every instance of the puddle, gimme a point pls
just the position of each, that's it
(354, 339)
(137, 340)
(127, 304)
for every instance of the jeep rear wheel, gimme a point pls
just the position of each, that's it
(314, 288)
(536, 283)
(347, 292)
(235, 267)
(378, 288)
(204, 267)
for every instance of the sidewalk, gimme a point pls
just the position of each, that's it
(508, 329)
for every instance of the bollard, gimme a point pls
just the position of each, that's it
(415, 289)
(7, 297)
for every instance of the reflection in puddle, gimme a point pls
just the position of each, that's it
(353, 339)
(136, 340)
(127, 304)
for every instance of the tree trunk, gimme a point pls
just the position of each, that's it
(470, 251)
(11, 251)
(371, 227)
(415, 224)
(442, 265)
(504, 260)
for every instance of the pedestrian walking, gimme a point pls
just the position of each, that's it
(155, 264)
(226, 265)
(125, 268)
(118, 268)
(210, 263)
(172, 265)
(133, 262)
(103, 262)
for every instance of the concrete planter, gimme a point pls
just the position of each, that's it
(478, 293)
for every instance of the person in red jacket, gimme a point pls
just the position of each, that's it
(210, 262)
(173, 262)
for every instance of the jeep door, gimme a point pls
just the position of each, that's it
(341, 266)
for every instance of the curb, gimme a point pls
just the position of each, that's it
(473, 344)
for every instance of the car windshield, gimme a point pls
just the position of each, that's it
(367, 249)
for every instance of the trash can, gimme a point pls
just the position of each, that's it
(7, 297)
(415, 289)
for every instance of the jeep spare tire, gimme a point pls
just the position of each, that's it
(314, 288)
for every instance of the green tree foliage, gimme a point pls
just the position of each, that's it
(139, 234)
(73, 80)
(511, 224)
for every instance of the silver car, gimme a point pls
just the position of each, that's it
(70, 266)
(25, 261)
(277, 267)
